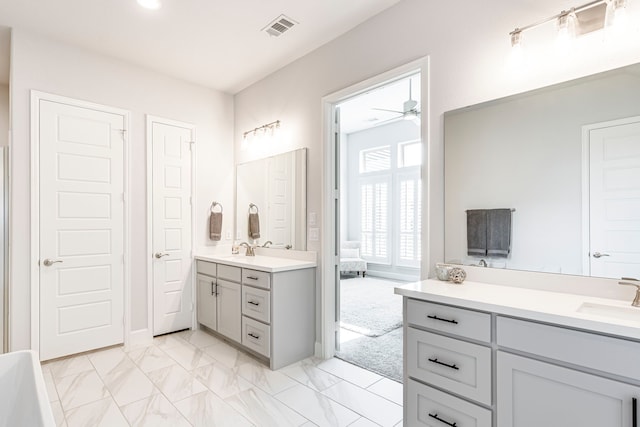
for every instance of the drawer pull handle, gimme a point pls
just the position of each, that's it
(634, 412)
(441, 420)
(443, 364)
(254, 303)
(252, 277)
(254, 336)
(434, 317)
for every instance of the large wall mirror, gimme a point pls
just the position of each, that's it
(274, 188)
(566, 159)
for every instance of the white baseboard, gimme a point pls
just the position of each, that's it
(140, 338)
(318, 350)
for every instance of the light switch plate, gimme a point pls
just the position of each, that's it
(312, 219)
(228, 234)
(314, 234)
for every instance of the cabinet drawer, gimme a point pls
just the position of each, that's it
(204, 267)
(451, 364)
(429, 407)
(259, 279)
(579, 348)
(453, 320)
(256, 336)
(256, 303)
(228, 272)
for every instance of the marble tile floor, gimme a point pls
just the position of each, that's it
(194, 379)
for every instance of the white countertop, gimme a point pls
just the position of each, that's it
(258, 262)
(544, 306)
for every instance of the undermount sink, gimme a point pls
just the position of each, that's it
(615, 312)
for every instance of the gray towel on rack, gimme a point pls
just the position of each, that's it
(215, 226)
(254, 226)
(499, 232)
(477, 232)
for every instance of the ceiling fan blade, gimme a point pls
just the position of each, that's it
(390, 111)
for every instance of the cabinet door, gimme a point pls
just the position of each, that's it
(206, 301)
(534, 394)
(229, 315)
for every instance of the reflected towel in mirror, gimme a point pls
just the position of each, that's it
(477, 232)
(498, 232)
(254, 226)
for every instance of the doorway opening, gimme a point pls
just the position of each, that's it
(377, 163)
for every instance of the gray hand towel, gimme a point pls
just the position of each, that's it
(215, 226)
(477, 232)
(499, 232)
(254, 226)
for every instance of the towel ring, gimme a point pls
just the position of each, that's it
(214, 205)
(252, 206)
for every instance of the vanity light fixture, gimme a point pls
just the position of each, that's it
(265, 130)
(150, 4)
(616, 14)
(579, 20)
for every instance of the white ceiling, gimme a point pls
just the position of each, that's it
(361, 112)
(214, 43)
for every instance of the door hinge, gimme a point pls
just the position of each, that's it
(122, 131)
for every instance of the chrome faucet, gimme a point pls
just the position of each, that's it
(482, 263)
(267, 243)
(250, 251)
(627, 282)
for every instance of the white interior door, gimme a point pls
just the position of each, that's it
(615, 200)
(171, 145)
(81, 188)
(280, 179)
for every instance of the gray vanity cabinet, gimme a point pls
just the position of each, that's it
(470, 368)
(532, 393)
(563, 377)
(219, 296)
(270, 314)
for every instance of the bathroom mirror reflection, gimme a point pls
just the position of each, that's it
(566, 159)
(274, 188)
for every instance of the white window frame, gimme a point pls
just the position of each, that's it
(412, 173)
(373, 179)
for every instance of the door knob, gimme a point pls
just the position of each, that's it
(160, 255)
(599, 255)
(49, 262)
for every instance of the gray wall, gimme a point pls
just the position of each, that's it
(526, 153)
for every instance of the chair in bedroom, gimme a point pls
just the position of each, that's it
(350, 260)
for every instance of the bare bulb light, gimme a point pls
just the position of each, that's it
(566, 30)
(616, 16)
(150, 4)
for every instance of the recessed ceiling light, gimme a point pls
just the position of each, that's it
(150, 4)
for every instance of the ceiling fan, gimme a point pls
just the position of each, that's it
(409, 108)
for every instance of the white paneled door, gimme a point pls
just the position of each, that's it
(171, 145)
(81, 229)
(280, 179)
(615, 199)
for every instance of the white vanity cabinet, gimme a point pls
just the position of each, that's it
(269, 313)
(219, 297)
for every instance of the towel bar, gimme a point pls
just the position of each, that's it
(213, 206)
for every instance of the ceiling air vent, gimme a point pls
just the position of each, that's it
(279, 26)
